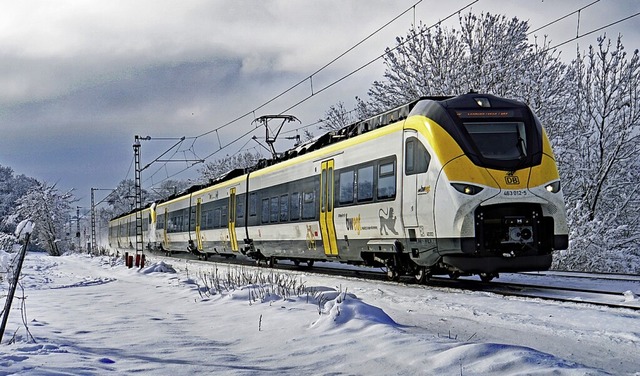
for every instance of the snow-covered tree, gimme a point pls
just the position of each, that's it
(11, 187)
(167, 188)
(49, 210)
(488, 54)
(123, 198)
(602, 160)
(336, 117)
(213, 170)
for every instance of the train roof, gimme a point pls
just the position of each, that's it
(393, 115)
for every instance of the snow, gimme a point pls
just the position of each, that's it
(93, 316)
(24, 227)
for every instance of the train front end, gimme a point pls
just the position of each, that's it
(498, 203)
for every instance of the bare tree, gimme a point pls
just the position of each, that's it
(216, 169)
(122, 199)
(604, 160)
(166, 189)
(336, 117)
(489, 54)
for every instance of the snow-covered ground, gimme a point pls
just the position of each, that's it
(94, 316)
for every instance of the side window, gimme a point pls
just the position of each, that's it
(284, 208)
(160, 222)
(386, 180)
(204, 215)
(223, 215)
(216, 217)
(365, 184)
(295, 206)
(240, 209)
(417, 157)
(309, 205)
(275, 210)
(253, 204)
(346, 187)
(265, 211)
(185, 221)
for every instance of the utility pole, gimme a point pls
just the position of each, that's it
(138, 186)
(138, 194)
(94, 240)
(78, 226)
(93, 223)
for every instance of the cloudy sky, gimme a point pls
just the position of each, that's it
(79, 79)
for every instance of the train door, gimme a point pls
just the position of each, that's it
(327, 226)
(417, 200)
(198, 223)
(233, 239)
(165, 238)
(410, 182)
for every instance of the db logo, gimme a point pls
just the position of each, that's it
(512, 180)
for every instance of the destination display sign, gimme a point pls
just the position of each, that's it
(466, 114)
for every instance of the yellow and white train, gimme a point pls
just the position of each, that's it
(449, 185)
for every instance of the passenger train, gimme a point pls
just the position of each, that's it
(442, 185)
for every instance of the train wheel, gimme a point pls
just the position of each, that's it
(421, 275)
(271, 262)
(486, 277)
(310, 263)
(392, 275)
(296, 262)
(454, 275)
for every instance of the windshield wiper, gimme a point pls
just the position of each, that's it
(521, 147)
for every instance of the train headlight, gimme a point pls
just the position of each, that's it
(553, 187)
(467, 189)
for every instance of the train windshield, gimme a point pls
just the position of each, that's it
(499, 140)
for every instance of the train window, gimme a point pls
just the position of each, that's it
(216, 217)
(309, 205)
(284, 208)
(417, 157)
(387, 180)
(206, 220)
(160, 222)
(365, 184)
(274, 213)
(223, 216)
(240, 209)
(186, 221)
(177, 223)
(409, 164)
(265, 211)
(192, 219)
(295, 206)
(346, 187)
(253, 204)
(499, 140)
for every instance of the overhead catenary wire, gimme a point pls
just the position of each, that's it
(594, 31)
(563, 17)
(308, 78)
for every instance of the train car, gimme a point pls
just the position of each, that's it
(449, 185)
(122, 231)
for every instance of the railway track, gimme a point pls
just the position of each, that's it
(597, 297)
(604, 298)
